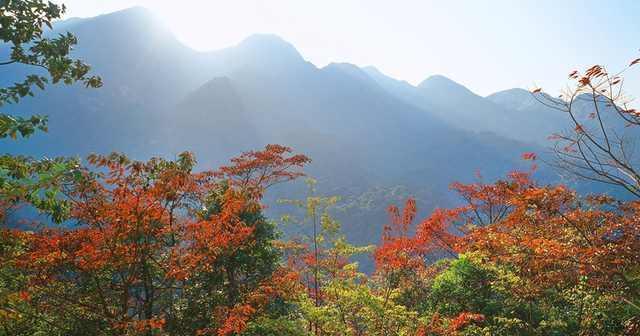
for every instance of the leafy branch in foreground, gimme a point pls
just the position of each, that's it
(22, 26)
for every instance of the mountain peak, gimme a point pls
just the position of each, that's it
(516, 98)
(137, 13)
(269, 45)
(131, 21)
(440, 82)
(518, 92)
(372, 70)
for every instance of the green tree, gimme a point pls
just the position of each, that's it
(25, 180)
(235, 273)
(338, 300)
(23, 27)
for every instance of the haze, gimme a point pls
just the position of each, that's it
(486, 46)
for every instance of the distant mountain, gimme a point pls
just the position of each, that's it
(372, 139)
(531, 118)
(460, 107)
(516, 113)
(516, 99)
(543, 120)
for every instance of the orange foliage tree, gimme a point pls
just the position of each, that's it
(554, 237)
(548, 237)
(156, 247)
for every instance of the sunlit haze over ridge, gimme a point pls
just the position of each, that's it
(487, 46)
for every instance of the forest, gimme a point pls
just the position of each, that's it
(162, 247)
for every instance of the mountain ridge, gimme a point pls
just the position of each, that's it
(364, 131)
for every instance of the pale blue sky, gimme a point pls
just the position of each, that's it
(486, 45)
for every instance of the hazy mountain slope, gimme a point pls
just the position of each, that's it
(514, 114)
(161, 97)
(362, 139)
(144, 68)
(398, 88)
(544, 121)
(457, 105)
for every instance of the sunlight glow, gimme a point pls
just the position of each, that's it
(532, 44)
(211, 25)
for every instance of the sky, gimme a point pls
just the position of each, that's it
(487, 46)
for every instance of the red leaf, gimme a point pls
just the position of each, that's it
(529, 156)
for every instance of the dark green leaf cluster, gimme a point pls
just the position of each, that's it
(22, 26)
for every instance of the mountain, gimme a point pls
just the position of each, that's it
(515, 113)
(460, 107)
(543, 119)
(373, 139)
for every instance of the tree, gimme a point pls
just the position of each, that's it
(338, 299)
(401, 258)
(158, 247)
(534, 260)
(22, 26)
(24, 180)
(600, 145)
(307, 251)
(554, 241)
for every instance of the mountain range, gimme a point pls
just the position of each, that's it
(373, 139)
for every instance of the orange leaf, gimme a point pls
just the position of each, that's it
(529, 156)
